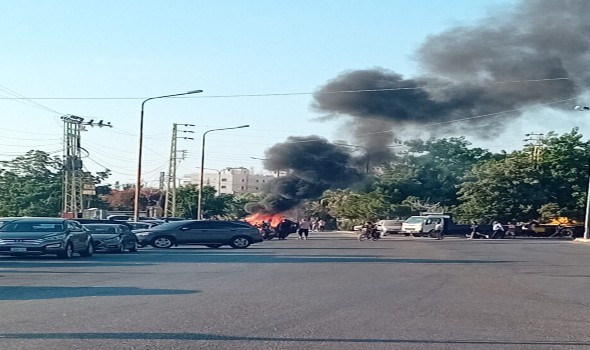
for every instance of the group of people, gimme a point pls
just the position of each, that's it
(286, 227)
(498, 231)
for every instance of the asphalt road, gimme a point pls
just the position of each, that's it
(330, 292)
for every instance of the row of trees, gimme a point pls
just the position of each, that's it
(31, 185)
(435, 175)
(472, 183)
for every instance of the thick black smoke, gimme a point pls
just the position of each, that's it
(467, 71)
(310, 165)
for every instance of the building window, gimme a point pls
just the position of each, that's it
(243, 180)
(257, 180)
(223, 186)
(256, 187)
(263, 180)
(243, 187)
(223, 179)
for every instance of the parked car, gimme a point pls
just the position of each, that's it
(413, 225)
(112, 237)
(38, 236)
(389, 226)
(212, 234)
(422, 226)
(141, 225)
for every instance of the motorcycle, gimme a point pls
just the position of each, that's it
(369, 233)
(267, 234)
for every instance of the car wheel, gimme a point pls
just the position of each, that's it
(417, 234)
(240, 242)
(407, 234)
(89, 250)
(213, 245)
(68, 252)
(134, 248)
(120, 248)
(162, 242)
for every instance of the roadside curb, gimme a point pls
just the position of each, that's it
(582, 240)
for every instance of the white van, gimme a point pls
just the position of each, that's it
(414, 225)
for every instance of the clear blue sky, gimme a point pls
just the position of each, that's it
(150, 48)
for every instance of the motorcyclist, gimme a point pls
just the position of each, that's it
(265, 229)
(371, 230)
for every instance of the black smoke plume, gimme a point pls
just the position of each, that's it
(469, 71)
(466, 72)
(309, 166)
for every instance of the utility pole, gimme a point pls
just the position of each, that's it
(537, 143)
(73, 174)
(170, 202)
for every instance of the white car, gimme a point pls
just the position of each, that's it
(389, 226)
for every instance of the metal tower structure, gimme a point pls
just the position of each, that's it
(537, 146)
(170, 202)
(73, 173)
(72, 167)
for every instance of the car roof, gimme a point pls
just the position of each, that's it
(41, 219)
(102, 224)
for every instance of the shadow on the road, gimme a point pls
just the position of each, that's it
(50, 292)
(231, 256)
(216, 337)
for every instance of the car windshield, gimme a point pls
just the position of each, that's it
(32, 227)
(101, 228)
(414, 220)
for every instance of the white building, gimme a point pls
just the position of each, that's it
(230, 180)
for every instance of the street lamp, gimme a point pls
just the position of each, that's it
(200, 199)
(138, 179)
(278, 171)
(218, 179)
(368, 165)
(587, 216)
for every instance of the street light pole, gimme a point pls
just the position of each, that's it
(218, 179)
(139, 156)
(587, 216)
(200, 199)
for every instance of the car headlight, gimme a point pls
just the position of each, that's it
(112, 240)
(142, 234)
(54, 237)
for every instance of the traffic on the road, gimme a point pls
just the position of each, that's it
(66, 237)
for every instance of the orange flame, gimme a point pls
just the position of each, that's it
(258, 218)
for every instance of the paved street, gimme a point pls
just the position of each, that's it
(330, 292)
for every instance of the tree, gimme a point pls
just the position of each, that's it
(236, 204)
(350, 208)
(522, 187)
(121, 200)
(30, 185)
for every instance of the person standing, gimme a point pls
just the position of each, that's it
(304, 227)
(511, 232)
(321, 225)
(283, 228)
(497, 229)
(314, 225)
(439, 229)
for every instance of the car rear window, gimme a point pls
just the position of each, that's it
(391, 222)
(415, 220)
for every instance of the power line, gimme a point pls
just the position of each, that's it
(25, 100)
(303, 93)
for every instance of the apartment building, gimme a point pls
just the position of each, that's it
(230, 180)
